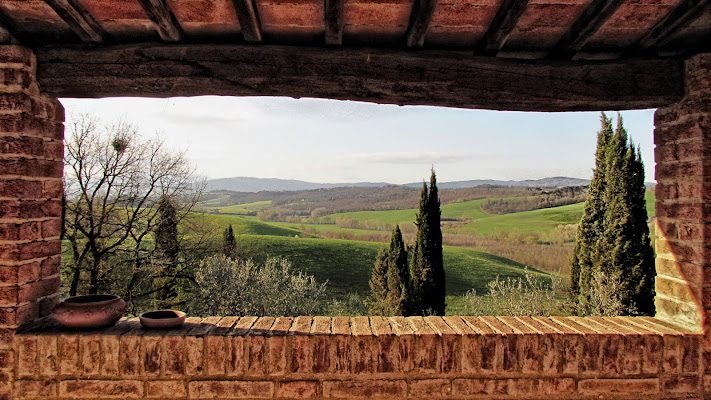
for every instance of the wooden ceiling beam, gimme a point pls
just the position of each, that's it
(584, 28)
(502, 25)
(333, 13)
(248, 20)
(79, 20)
(420, 18)
(163, 18)
(677, 19)
(388, 76)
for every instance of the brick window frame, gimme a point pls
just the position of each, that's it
(487, 357)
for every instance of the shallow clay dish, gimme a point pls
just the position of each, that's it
(162, 319)
(90, 311)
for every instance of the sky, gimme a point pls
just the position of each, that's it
(333, 141)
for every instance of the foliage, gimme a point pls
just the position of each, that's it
(427, 278)
(114, 182)
(167, 251)
(243, 287)
(390, 280)
(352, 306)
(530, 296)
(546, 199)
(613, 237)
(605, 298)
(229, 244)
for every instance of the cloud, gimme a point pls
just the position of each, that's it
(417, 157)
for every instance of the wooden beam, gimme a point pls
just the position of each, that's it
(420, 17)
(79, 20)
(588, 23)
(333, 13)
(679, 18)
(502, 25)
(392, 76)
(162, 16)
(248, 20)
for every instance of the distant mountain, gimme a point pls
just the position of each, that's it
(245, 184)
(557, 181)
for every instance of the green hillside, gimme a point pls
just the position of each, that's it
(244, 226)
(347, 264)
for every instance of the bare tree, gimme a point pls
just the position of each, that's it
(114, 181)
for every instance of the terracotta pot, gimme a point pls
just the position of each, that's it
(90, 311)
(162, 319)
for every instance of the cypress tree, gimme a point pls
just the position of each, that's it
(592, 224)
(398, 275)
(229, 244)
(426, 269)
(376, 302)
(166, 253)
(613, 236)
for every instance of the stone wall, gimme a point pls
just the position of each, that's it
(487, 357)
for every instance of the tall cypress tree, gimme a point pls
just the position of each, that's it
(166, 253)
(592, 224)
(613, 236)
(229, 244)
(398, 275)
(427, 268)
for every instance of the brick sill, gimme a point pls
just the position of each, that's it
(379, 326)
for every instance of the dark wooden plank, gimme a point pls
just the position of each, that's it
(588, 23)
(79, 20)
(420, 17)
(248, 20)
(502, 25)
(686, 12)
(162, 16)
(333, 13)
(391, 76)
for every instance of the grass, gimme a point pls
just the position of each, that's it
(347, 264)
(237, 209)
(243, 226)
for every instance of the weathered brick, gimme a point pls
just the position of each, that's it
(470, 387)
(216, 348)
(36, 388)
(166, 389)
(7, 358)
(365, 389)
(172, 355)
(682, 384)
(673, 354)
(692, 354)
(194, 360)
(230, 389)
(32, 167)
(27, 356)
(30, 250)
(610, 351)
(652, 354)
(22, 56)
(604, 386)
(151, 351)
(69, 355)
(92, 389)
(632, 355)
(430, 388)
(110, 355)
(298, 390)
(30, 208)
(28, 125)
(471, 354)
(238, 360)
(130, 354)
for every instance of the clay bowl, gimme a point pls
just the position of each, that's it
(162, 319)
(90, 311)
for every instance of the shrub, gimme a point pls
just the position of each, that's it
(241, 287)
(605, 298)
(517, 297)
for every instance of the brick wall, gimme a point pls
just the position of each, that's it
(30, 200)
(683, 154)
(646, 358)
(361, 357)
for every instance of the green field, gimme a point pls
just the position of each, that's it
(347, 264)
(244, 226)
(477, 220)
